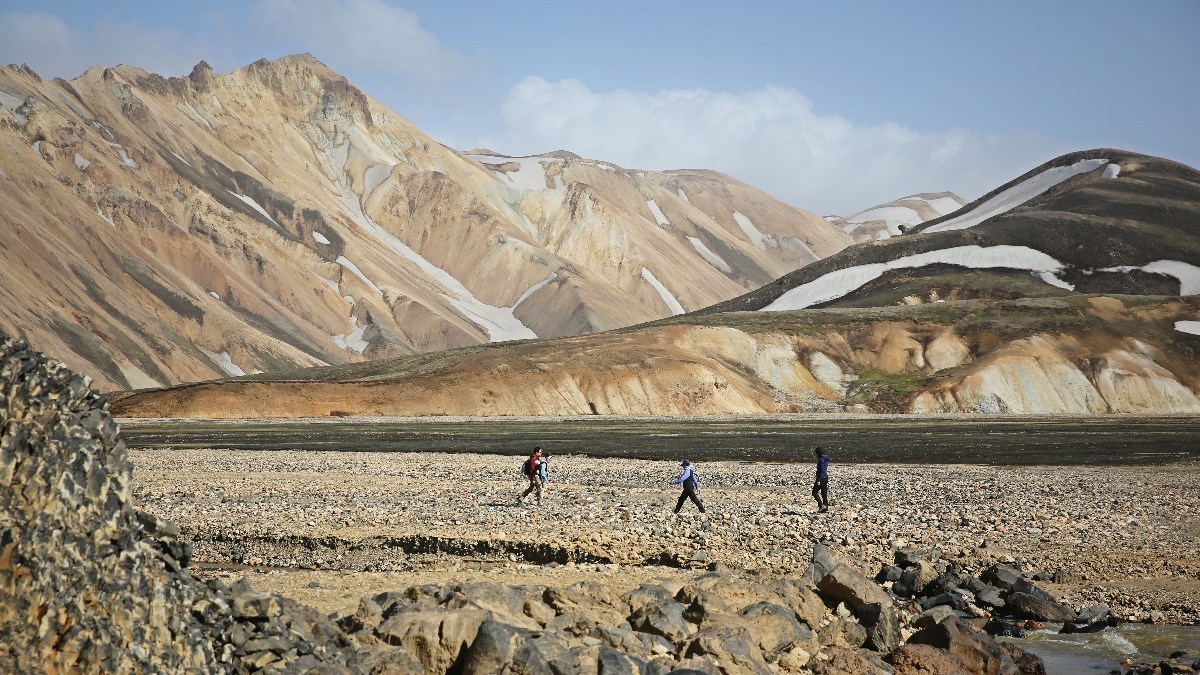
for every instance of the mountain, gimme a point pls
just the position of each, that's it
(163, 230)
(1073, 289)
(897, 216)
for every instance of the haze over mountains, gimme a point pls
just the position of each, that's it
(158, 231)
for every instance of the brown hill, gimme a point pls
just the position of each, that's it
(163, 230)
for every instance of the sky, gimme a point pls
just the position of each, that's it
(830, 106)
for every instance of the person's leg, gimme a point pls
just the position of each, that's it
(682, 498)
(525, 494)
(536, 486)
(825, 494)
(696, 500)
(816, 493)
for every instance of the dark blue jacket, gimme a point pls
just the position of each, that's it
(822, 467)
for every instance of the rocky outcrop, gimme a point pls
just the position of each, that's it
(88, 583)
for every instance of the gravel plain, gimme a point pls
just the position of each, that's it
(328, 527)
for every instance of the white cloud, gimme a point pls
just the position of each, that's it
(770, 138)
(367, 35)
(54, 48)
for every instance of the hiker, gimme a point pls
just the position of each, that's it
(532, 471)
(544, 471)
(691, 487)
(820, 491)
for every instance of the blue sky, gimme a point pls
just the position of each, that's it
(830, 106)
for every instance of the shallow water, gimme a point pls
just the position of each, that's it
(1106, 440)
(1101, 652)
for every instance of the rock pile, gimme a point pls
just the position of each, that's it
(89, 584)
(1001, 593)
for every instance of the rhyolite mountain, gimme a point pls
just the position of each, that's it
(1071, 289)
(163, 230)
(897, 216)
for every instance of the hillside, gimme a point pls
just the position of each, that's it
(1072, 289)
(1098, 221)
(158, 230)
(897, 216)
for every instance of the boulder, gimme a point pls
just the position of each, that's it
(910, 557)
(252, 605)
(979, 652)
(1002, 576)
(776, 629)
(843, 661)
(933, 616)
(882, 624)
(613, 662)
(1025, 606)
(665, 620)
(889, 573)
(801, 597)
(438, 638)
(647, 594)
(842, 632)
(732, 648)
(501, 648)
(1027, 664)
(845, 584)
(914, 659)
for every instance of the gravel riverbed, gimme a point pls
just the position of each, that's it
(326, 527)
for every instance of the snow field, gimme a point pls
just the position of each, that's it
(531, 175)
(345, 262)
(256, 206)
(81, 163)
(224, 362)
(838, 283)
(1190, 327)
(353, 340)
(1112, 171)
(1018, 195)
(127, 160)
(712, 258)
(657, 212)
(752, 233)
(320, 238)
(663, 292)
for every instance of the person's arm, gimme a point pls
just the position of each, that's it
(682, 476)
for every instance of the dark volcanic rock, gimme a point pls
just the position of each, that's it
(1025, 606)
(88, 584)
(979, 652)
(916, 659)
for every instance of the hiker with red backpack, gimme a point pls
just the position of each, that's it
(531, 470)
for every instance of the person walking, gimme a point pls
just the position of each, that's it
(820, 491)
(544, 471)
(691, 487)
(532, 471)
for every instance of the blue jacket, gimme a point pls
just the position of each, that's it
(822, 467)
(688, 478)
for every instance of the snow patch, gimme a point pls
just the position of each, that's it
(11, 102)
(838, 283)
(658, 214)
(1187, 274)
(1112, 171)
(354, 339)
(752, 233)
(224, 362)
(108, 219)
(682, 195)
(663, 293)
(333, 285)
(214, 294)
(345, 262)
(892, 216)
(81, 163)
(1018, 195)
(712, 258)
(373, 178)
(217, 102)
(499, 322)
(197, 116)
(1190, 327)
(320, 238)
(530, 174)
(535, 288)
(180, 158)
(256, 206)
(37, 147)
(127, 160)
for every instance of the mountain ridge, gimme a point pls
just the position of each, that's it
(276, 216)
